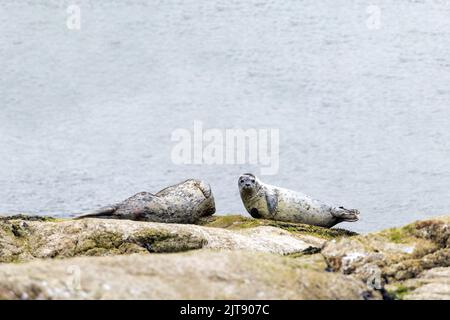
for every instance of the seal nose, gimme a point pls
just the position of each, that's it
(247, 184)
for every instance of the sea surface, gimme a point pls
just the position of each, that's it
(359, 91)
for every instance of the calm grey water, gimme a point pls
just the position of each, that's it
(364, 114)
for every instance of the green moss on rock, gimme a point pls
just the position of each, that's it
(397, 291)
(25, 217)
(167, 242)
(234, 222)
(106, 243)
(397, 235)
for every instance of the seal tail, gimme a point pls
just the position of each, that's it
(100, 213)
(349, 215)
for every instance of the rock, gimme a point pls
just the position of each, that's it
(22, 240)
(195, 275)
(222, 257)
(393, 255)
(433, 284)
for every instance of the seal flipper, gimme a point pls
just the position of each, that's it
(255, 213)
(272, 201)
(100, 213)
(343, 214)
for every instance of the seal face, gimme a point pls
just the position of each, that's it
(269, 202)
(185, 202)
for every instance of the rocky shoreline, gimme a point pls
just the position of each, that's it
(221, 257)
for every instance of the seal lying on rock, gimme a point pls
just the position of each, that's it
(269, 202)
(185, 202)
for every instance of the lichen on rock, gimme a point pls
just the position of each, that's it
(394, 255)
(218, 257)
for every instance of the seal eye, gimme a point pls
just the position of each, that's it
(242, 181)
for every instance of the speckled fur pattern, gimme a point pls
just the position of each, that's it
(185, 202)
(270, 202)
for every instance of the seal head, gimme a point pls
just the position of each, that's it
(247, 182)
(249, 187)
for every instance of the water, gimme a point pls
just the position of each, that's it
(86, 116)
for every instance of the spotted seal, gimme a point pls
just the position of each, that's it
(269, 202)
(185, 202)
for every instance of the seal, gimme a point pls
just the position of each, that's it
(269, 202)
(185, 202)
